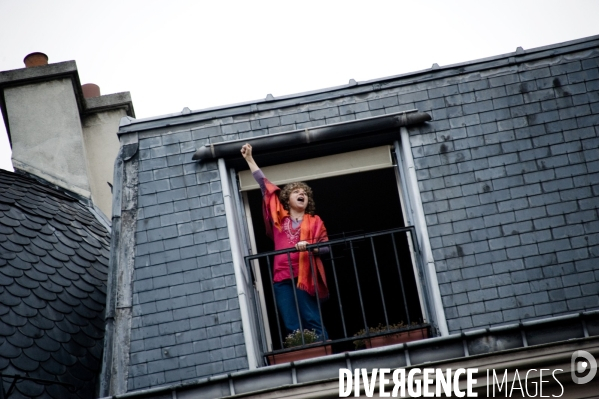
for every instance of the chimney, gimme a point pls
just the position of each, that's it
(60, 131)
(90, 90)
(35, 59)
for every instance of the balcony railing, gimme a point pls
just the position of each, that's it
(373, 282)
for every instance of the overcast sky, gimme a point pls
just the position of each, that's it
(200, 54)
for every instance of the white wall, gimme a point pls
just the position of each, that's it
(101, 148)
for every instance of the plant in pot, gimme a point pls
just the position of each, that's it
(307, 352)
(295, 338)
(397, 333)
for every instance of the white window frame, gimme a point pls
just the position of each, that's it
(347, 163)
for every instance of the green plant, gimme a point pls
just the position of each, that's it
(295, 338)
(359, 343)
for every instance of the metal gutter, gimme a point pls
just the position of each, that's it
(292, 138)
(575, 329)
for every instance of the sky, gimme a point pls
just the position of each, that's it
(200, 54)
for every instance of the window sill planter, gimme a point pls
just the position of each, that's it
(396, 338)
(300, 354)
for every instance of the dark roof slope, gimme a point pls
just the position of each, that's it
(53, 269)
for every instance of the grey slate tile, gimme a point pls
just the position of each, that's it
(443, 91)
(522, 251)
(514, 290)
(487, 319)
(480, 106)
(572, 255)
(495, 280)
(483, 295)
(518, 314)
(460, 324)
(565, 68)
(590, 63)
(503, 80)
(553, 246)
(459, 99)
(536, 73)
(485, 233)
(473, 85)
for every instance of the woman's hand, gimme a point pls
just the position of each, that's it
(246, 153)
(301, 246)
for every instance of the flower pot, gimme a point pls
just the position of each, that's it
(300, 354)
(396, 338)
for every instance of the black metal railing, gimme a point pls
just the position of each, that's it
(371, 280)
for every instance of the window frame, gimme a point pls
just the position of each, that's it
(251, 246)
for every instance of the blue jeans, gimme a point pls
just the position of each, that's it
(308, 309)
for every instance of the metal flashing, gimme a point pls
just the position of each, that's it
(113, 377)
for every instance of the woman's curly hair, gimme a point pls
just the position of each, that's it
(288, 189)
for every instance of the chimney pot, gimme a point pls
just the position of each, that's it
(90, 90)
(35, 59)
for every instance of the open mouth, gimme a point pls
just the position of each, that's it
(300, 199)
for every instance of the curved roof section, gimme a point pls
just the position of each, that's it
(53, 270)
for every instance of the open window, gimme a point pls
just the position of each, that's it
(371, 268)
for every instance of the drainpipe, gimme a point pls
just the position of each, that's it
(237, 264)
(422, 232)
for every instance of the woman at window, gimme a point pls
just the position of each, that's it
(291, 223)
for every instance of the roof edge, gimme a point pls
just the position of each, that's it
(572, 328)
(270, 102)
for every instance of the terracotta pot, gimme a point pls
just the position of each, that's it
(397, 338)
(90, 90)
(300, 354)
(35, 59)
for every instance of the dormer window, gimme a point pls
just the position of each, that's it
(370, 266)
(374, 265)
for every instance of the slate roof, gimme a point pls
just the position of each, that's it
(53, 270)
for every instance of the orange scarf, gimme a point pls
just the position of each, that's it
(312, 230)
